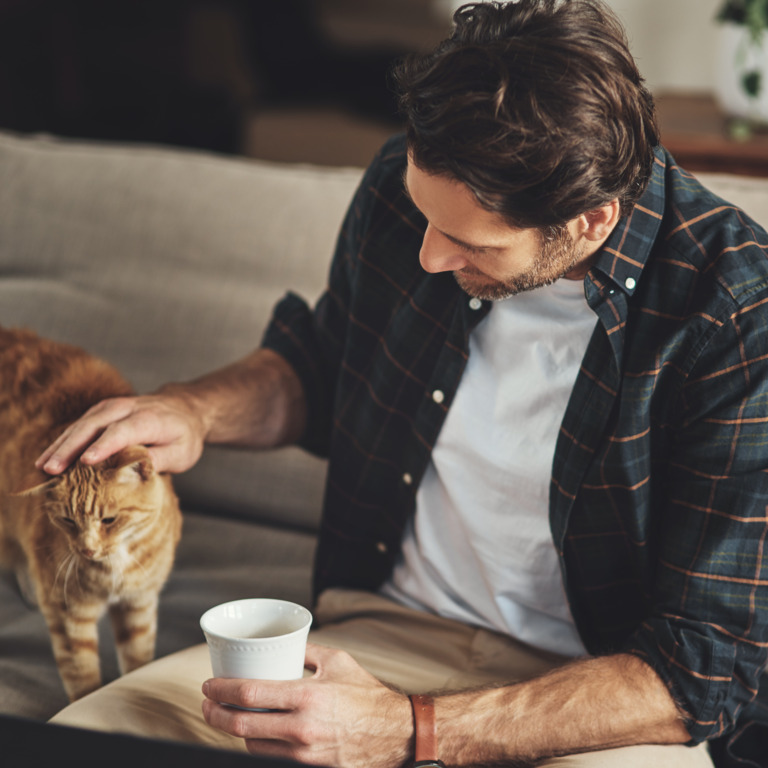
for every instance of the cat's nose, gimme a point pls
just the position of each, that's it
(89, 553)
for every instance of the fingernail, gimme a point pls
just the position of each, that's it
(205, 688)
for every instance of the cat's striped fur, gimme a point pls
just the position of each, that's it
(93, 539)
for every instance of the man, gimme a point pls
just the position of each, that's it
(529, 276)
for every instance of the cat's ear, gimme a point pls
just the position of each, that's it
(36, 482)
(132, 464)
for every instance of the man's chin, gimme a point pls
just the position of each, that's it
(480, 287)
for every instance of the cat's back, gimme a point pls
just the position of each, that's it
(41, 376)
(44, 385)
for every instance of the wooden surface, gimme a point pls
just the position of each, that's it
(701, 138)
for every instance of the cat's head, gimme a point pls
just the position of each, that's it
(100, 508)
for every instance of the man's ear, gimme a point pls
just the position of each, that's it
(36, 482)
(598, 223)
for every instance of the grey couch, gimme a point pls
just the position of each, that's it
(167, 263)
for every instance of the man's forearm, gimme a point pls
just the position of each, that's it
(588, 705)
(256, 402)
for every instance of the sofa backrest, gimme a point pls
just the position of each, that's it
(167, 263)
(747, 192)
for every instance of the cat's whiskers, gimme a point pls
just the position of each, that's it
(71, 561)
(77, 563)
(115, 572)
(132, 558)
(63, 562)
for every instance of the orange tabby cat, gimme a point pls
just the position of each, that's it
(92, 539)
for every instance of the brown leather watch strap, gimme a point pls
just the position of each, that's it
(424, 727)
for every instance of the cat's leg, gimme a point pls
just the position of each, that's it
(74, 637)
(134, 623)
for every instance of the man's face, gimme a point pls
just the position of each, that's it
(489, 259)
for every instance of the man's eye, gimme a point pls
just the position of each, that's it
(471, 249)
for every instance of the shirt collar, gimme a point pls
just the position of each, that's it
(625, 252)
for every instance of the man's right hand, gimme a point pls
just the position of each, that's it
(167, 423)
(257, 402)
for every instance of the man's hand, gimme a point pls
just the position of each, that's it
(257, 402)
(166, 423)
(340, 716)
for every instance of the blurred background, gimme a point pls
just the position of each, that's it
(296, 80)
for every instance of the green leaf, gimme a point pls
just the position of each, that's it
(757, 18)
(752, 13)
(751, 83)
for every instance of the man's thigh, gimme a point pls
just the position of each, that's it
(416, 652)
(646, 756)
(421, 652)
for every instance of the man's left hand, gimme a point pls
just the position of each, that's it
(340, 716)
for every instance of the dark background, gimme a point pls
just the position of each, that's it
(180, 72)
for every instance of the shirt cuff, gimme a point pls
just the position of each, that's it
(699, 672)
(292, 334)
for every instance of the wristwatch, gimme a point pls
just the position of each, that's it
(425, 731)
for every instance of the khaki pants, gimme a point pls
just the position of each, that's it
(412, 650)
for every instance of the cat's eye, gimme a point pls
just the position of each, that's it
(108, 520)
(68, 521)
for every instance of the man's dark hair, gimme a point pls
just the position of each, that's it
(537, 106)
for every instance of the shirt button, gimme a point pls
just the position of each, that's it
(438, 396)
(475, 303)
(630, 283)
(408, 478)
(382, 547)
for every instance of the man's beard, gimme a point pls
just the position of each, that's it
(558, 256)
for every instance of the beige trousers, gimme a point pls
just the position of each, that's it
(415, 651)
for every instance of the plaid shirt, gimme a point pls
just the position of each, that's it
(660, 474)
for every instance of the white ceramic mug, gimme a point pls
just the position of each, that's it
(258, 638)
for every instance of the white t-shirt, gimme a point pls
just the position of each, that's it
(479, 548)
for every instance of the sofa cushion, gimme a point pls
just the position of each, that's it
(746, 192)
(167, 263)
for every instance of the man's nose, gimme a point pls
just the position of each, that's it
(438, 254)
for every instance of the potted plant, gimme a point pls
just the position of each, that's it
(742, 72)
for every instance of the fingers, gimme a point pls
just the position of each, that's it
(281, 749)
(86, 433)
(281, 731)
(170, 431)
(250, 694)
(264, 733)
